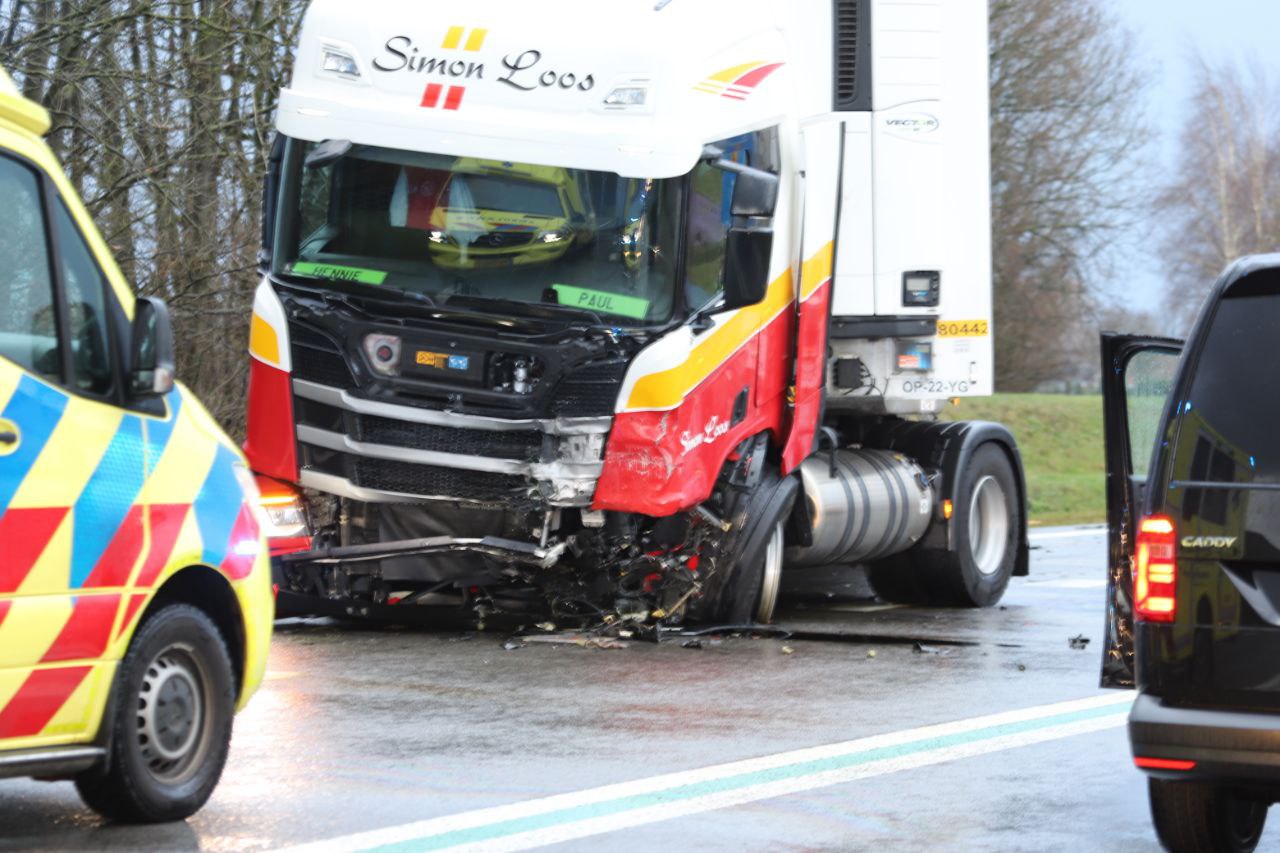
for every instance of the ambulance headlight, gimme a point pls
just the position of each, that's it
(438, 237)
(627, 96)
(554, 237)
(384, 353)
(335, 61)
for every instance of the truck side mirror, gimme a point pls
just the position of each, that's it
(151, 357)
(755, 193)
(746, 267)
(271, 192)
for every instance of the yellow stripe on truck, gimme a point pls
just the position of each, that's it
(667, 388)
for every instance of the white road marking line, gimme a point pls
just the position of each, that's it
(1036, 536)
(579, 814)
(1070, 583)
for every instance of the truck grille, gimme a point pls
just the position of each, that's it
(589, 392)
(429, 481)
(520, 445)
(318, 359)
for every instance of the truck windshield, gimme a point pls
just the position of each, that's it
(458, 227)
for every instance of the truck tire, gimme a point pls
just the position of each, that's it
(744, 590)
(170, 721)
(987, 525)
(1191, 817)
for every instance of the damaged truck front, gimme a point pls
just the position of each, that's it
(548, 318)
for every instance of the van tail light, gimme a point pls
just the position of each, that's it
(1155, 570)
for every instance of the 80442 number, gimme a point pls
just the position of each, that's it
(962, 329)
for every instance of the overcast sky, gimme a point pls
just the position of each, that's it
(1169, 34)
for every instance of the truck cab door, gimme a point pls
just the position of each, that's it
(1137, 375)
(822, 158)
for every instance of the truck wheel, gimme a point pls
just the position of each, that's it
(1193, 817)
(744, 589)
(987, 527)
(170, 723)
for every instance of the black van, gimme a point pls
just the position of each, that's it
(1193, 591)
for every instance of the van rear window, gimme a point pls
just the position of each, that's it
(1229, 429)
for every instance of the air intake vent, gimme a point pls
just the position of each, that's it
(852, 55)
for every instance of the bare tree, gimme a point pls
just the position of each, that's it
(162, 115)
(1224, 198)
(1066, 136)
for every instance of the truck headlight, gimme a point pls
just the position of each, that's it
(339, 62)
(278, 505)
(383, 352)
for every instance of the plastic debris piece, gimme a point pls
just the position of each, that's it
(512, 645)
(787, 650)
(691, 644)
(546, 626)
(871, 653)
(1079, 641)
(923, 649)
(582, 640)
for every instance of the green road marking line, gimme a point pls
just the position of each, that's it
(599, 300)
(340, 273)
(751, 779)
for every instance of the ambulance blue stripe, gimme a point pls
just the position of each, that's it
(36, 409)
(160, 431)
(107, 497)
(217, 506)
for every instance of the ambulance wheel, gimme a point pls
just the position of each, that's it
(170, 724)
(745, 589)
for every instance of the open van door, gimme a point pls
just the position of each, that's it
(1137, 376)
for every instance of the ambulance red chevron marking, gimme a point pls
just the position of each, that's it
(25, 534)
(166, 523)
(38, 699)
(130, 611)
(87, 632)
(117, 562)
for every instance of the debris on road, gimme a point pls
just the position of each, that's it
(787, 650)
(586, 641)
(691, 644)
(871, 653)
(1079, 641)
(923, 649)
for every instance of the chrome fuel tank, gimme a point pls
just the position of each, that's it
(877, 503)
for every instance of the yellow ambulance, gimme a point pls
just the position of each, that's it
(135, 593)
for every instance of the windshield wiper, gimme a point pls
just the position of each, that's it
(533, 308)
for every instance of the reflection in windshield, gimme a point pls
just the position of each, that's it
(482, 229)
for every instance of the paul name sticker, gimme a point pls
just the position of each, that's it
(599, 300)
(962, 328)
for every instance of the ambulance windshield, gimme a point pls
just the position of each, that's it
(468, 228)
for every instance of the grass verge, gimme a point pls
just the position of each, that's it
(1060, 437)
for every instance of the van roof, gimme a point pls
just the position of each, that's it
(25, 113)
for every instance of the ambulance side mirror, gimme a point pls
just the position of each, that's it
(746, 267)
(151, 358)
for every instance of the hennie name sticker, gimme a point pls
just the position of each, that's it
(599, 300)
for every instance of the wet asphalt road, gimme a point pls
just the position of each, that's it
(364, 730)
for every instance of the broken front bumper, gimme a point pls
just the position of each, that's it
(379, 452)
